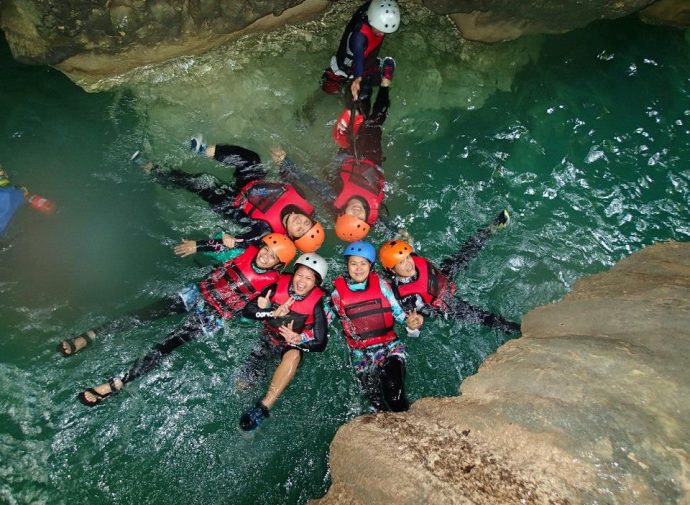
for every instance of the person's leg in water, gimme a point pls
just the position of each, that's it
(219, 196)
(393, 383)
(370, 382)
(167, 306)
(282, 376)
(456, 308)
(453, 264)
(190, 330)
(368, 141)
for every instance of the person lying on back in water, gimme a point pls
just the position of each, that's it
(221, 295)
(359, 196)
(251, 200)
(421, 286)
(296, 320)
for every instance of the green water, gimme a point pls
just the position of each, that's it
(583, 136)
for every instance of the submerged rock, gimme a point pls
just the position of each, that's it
(589, 406)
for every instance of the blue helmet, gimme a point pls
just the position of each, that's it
(360, 248)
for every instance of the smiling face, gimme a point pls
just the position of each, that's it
(405, 268)
(358, 268)
(266, 259)
(355, 208)
(297, 225)
(303, 280)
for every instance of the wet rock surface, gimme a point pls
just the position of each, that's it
(589, 406)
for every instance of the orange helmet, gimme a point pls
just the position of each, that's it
(312, 240)
(341, 129)
(350, 228)
(281, 246)
(393, 252)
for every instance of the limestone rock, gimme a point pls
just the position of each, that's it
(591, 405)
(668, 12)
(89, 39)
(499, 20)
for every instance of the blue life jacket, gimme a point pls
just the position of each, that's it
(11, 198)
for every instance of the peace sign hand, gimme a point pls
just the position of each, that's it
(290, 336)
(284, 309)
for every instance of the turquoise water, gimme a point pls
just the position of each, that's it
(583, 136)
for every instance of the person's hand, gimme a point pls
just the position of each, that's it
(185, 248)
(264, 302)
(230, 242)
(278, 154)
(354, 88)
(284, 309)
(414, 320)
(290, 336)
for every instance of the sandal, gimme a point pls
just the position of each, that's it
(99, 398)
(69, 348)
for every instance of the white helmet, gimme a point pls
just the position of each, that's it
(384, 15)
(315, 262)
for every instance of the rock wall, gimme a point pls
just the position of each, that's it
(591, 405)
(498, 20)
(91, 40)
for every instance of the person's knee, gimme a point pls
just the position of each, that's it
(292, 357)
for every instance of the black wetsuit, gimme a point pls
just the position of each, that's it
(453, 306)
(221, 196)
(266, 349)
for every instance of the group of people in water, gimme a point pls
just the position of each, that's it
(296, 308)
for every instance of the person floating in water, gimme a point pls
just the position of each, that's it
(252, 201)
(368, 310)
(422, 287)
(222, 295)
(12, 198)
(296, 320)
(358, 200)
(356, 60)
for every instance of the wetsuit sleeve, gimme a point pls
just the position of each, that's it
(257, 229)
(358, 43)
(315, 339)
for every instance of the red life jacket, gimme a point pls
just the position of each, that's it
(431, 284)
(373, 40)
(266, 201)
(229, 288)
(301, 311)
(363, 179)
(368, 311)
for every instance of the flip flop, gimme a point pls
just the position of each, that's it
(100, 398)
(89, 336)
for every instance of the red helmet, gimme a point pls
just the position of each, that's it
(341, 129)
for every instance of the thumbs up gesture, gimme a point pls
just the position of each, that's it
(264, 302)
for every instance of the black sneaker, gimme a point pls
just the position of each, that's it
(388, 68)
(196, 144)
(251, 419)
(502, 220)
